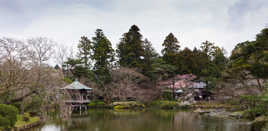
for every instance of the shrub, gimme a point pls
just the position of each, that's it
(97, 104)
(128, 105)
(167, 96)
(68, 80)
(165, 104)
(4, 123)
(255, 106)
(26, 117)
(8, 115)
(254, 112)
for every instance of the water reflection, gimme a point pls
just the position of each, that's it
(107, 120)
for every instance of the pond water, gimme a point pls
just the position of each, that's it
(160, 120)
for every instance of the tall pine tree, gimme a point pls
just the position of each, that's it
(103, 56)
(171, 49)
(85, 51)
(130, 50)
(149, 56)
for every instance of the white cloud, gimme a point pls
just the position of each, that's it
(192, 21)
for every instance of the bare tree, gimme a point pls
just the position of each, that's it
(41, 49)
(14, 65)
(62, 54)
(23, 73)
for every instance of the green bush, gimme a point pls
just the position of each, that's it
(97, 104)
(128, 105)
(4, 123)
(26, 117)
(165, 104)
(254, 112)
(167, 96)
(8, 115)
(68, 80)
(255, 106)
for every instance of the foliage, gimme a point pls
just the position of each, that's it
(34, 105)
(85, 51)
(130, 49)
(128, 105)
(164, 104)
(68, 80)
(4, 123)
(149, 56)
(255, 106)
(171, 48)
(103, 56)
(215, 61)
(168, 96)
(251, 56)
(26, 119)
(161, 70)
(8, 115)
(97, 104)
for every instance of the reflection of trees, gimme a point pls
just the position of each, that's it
(186, 121)
(220, 124)
(108, 120)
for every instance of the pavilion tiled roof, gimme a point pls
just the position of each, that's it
(76, 85)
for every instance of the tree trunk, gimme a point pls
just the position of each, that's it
(22, 102)
(173, 83)
(259, 83)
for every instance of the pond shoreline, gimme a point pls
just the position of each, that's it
(149, 120)
(215, 111)
(29, 126)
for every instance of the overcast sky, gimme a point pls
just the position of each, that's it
(225, 22)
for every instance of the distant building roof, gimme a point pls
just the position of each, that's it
(181, 81)
(179, 91)
(199, 85)
(76, 85)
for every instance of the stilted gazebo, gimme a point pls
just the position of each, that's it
(79, 95)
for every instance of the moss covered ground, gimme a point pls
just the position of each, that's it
(25, 120)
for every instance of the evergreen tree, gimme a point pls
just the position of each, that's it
(130, 50)
(85, 51)
(103, 55)
(77, 70)
(149, 55)
(200, 61)
(207, 47)
(251, 56)
(259, 56)
(171, 49)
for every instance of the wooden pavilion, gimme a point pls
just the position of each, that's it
(79, 95)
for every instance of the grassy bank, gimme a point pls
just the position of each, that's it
(135, 105)
(26, 121)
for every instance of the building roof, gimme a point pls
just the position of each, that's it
(179, 91)
(180, 81)
(76, 85)
(199, 85)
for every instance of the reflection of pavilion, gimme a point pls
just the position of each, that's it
(79, 95)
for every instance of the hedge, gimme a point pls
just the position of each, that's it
(8, 116)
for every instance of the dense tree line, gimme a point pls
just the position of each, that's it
(96, 56)
(208, 62)
(26, 78)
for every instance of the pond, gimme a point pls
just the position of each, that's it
(158, 120)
